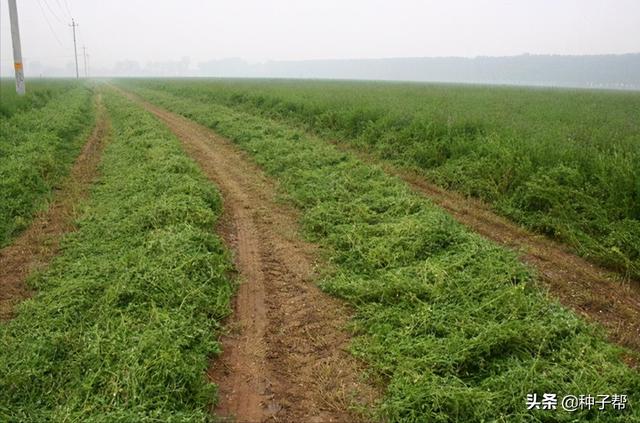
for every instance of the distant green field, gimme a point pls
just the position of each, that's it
(40, 136)
(565, 163)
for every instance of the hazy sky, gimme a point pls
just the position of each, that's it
(258, 30)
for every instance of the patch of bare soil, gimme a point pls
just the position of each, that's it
(596, 293)
(38, 244)
(285, 358)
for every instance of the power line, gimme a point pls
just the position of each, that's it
(61, 8)
(49, 25)
(66, 5)
(52, 12)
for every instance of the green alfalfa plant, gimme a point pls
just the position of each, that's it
(456, 327)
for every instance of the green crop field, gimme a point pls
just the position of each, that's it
(40, 135)
(565, 163)
(126, 322)
(452, 323)
(126, 317)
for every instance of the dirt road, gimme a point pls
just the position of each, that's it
(38, 244)
(285, 357)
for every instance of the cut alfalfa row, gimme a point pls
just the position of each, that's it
(454, 324)
(38, 144)
(563, 163)
(124, 321)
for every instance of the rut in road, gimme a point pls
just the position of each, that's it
(38, 244)
(285, 359)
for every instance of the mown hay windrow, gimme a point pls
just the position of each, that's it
(124, 321)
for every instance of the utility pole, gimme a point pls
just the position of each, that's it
(86, 69)
(75, 48)
(17, 49)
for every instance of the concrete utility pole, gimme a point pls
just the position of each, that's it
(75, 48)
(17, 50)
(86, 69)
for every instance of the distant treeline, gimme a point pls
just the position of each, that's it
(602, 71)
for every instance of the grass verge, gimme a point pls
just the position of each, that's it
(124, 322)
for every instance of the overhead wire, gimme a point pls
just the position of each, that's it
(62, 8)
(49, 25)
(66, 5)
(52, 12)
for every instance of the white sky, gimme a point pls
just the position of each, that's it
(258, 30)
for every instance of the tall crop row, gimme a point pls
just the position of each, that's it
(37, 147)
(563, 163)
(124, 321)
(453, 324)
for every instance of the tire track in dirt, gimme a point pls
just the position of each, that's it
(597, 294)
(38, 244)
(285, 357)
